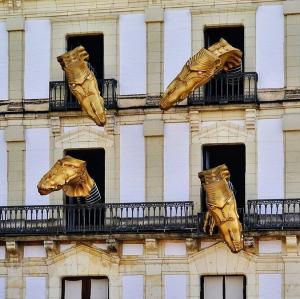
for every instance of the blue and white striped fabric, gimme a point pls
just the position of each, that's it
(93, 198)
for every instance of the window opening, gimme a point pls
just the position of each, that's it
(93, 44)
(234, 156)
(223, 287)
(222, 88)
(89, 287)
(95, 161)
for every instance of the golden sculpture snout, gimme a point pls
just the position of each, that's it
(68, 174)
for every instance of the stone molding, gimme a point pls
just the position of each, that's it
(84, 134)
(55, 125)
(291, 244)
(15, 23)
(51, 248)
(112, 245)
(221, 129)
(12, 250)
(154, 14)
(151, 246)
(250, 116)
(191, 245)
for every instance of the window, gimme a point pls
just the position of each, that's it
(233, 155)
(95, 163)
(232, 34)
(90, 287)
(223, 287)
(93, 44)
(225, 88)
(77, 219)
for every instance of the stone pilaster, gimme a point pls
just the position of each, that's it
(154, 17)
(15, 26)
(154, 132)
(16, 167)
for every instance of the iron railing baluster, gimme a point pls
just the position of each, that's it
(60, 98)
(227, 88)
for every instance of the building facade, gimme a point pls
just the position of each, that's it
(145, 241)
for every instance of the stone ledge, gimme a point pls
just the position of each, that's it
(291, 7)
(154, 14)
(291, 122)
(14, 133)
(153, 128)
(15, 23)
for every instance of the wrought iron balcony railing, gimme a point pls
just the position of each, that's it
(273, 214)
(100, 218)
(227, 88)
(152, 217)
(61, 99)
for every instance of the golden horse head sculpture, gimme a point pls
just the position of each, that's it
(200, 69)
(68, 174)
(221, 205)
(83, 84)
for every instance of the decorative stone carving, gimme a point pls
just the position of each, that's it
(194, 121)
(55, 125)
(110, 124)
(249, 242)
(14, 3)
(191, 245)
(151, 246)
(291, 245)
(84, 134)
(51, 248)
(112, 245)
(12, 250)
(250, 119)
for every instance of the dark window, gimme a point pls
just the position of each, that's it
(94, 46)
(89, 287)
(95, 162)
(223, 287)
(232, 34)
(225, 88)
(234, 156)
(76, 218)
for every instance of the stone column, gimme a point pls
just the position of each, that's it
(153, 269)
(291, 128)
(154, 134)
(154, 17)
(195, 159)
(16, 159)
(291, 268)
(15, 26)
(14, 282)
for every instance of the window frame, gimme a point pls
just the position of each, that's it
(223, 284)
(86, 282)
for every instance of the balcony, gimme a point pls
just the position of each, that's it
(227, 88)
(60, 98)
(143, 217)
(100, 218)
(273, 214)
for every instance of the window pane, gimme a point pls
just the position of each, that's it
(234, 287)
(213, 287)
(99, 289)
(73, 289)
